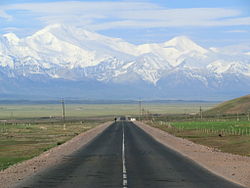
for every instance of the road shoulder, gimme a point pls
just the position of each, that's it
(232, 167)
(19, 172)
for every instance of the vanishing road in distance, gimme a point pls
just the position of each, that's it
(124, 155)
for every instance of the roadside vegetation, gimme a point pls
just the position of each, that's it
(224, 127)
(23, 140)
(227, 136)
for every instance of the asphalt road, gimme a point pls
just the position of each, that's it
(125, 156)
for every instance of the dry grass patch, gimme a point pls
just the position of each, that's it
(20, 142)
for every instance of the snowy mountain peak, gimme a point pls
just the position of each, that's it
(183, 43)
(64, 31)
(87, 40)
(74, 54)
(179, 39)
(175, 51)
(11, 37)
(53, 28)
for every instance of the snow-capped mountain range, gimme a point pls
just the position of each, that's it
(64, 60)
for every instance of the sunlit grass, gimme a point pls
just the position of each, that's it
(19, 142)
(227, 136)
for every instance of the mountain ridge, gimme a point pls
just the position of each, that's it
(59, 52)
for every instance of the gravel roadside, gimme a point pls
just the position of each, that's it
(19, 172)
(232, 167)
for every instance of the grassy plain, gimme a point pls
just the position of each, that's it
(94, 110)
(20, 142)
(227, 136)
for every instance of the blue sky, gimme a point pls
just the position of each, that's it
(208, 22)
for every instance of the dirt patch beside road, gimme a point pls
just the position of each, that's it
(16, 173)
(232, 167)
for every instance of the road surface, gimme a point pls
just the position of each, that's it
(125, 156)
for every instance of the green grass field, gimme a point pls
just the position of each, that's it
(226, 136)
(213, 125)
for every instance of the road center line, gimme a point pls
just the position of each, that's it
(124, 170)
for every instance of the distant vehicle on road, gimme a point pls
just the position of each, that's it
(126, 118)
(132, 119)
(123, 118)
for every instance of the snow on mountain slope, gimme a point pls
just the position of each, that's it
(175, 50)
(67, 46)
(65, 52)
(184, 44)
(147, 67)
(88, 40)
(235, 67)
(12, 38)
(5, 60)
(233, 49)
(60, 52)
(150, 67)
(94, 47)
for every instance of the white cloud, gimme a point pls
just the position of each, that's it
(4, 15)
(126, 14)
(236, 21)
(10, 29)
(237, 31)
(178, 14)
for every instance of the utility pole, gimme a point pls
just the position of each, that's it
(218, 115)
(200, 112)
(139, 110)
(11, 115)
(63, 110)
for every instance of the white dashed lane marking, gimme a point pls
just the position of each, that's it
(124, 170)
